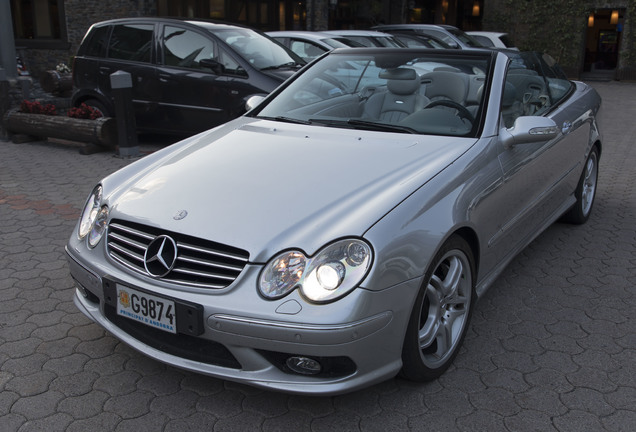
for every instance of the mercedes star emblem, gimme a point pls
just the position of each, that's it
(160, 256)
(180, 215)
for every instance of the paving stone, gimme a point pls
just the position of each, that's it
(145, 423)
(578, 421)
(175, 406)
(84, 406)
(200, 422)
(495, 400)
(76, 384)
(243, 421)
(39, 406)
(292, 421)
(165, 383)
(266, 404)
(222, 406)
(30, 385)
(129, 406)
(100, 422)
(12, 422)
(385, 422)
(117, 384)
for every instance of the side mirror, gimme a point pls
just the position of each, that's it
(529, 129)
(213, 65)
(253, 101)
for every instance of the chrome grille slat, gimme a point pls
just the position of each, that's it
(132, 231)
(128, 253)
(199, 273)
(129, 242)
(211, 264)
(200, 263)
(211, 252)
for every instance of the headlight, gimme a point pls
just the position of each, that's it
(89, 214)
(332, 273)
(94, 218)
(99, 227)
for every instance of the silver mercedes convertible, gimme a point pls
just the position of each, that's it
(340, 232)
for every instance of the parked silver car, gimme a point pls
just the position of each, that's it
(450, 35)
(493, 39)
(340, 232)
(367, 38)
(309, 45)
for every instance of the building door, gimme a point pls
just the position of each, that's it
(602, 43)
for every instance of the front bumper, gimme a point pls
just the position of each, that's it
(246, 338)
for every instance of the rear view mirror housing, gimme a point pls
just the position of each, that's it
(529, 129)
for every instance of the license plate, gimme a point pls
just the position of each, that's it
(147, 309)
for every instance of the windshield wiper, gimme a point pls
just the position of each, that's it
(364, 124)
(284, 65)
(381, 126)
(286, 119)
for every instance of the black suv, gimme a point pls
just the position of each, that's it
(187, 75)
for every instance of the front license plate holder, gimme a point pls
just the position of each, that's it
(189, 316)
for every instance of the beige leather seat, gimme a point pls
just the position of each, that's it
(401, 99)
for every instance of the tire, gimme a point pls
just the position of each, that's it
(585, 192)
(96, 104)
(441, 313)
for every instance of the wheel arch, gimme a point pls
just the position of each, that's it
(470, 236)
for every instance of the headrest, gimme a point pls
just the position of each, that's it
(445, 84)
(401, 81)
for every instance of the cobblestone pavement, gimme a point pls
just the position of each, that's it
(552, 345)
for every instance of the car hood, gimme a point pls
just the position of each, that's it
(264, 186)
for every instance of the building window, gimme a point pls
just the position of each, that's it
(39, 23)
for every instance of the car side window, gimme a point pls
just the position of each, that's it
(308, 51)
(231, 66)
(131, 42)
(97, 42)
(186, 48)
(534, 84)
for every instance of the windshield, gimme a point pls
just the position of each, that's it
(394, 91)
(258, 50)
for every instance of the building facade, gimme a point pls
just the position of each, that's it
(587, 37)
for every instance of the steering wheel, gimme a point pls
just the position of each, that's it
(462, 112)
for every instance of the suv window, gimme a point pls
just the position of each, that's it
(186, 48)
(98, 42)
(131, 42)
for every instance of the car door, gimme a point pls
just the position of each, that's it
(130, 49)
(193, 97)
(540, 175)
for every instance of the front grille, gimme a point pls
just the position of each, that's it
(199, 263)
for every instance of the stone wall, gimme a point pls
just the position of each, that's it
(558, 27)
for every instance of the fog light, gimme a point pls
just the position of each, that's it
(304, 365)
